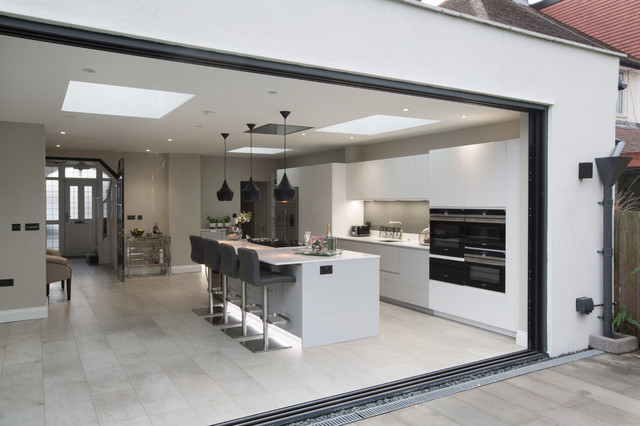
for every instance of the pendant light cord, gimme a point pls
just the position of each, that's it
(285, 144)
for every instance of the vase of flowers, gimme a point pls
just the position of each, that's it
(234, 232)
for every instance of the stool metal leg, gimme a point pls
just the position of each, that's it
(265, 344)
(211, 309)
(245, 330)
(224, 319)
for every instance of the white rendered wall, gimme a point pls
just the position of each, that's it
(421, 44)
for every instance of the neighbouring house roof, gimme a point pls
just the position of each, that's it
(615, 22)
(630, 134)
(518, 15)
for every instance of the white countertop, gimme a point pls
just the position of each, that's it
(408, 241)
(286, 255)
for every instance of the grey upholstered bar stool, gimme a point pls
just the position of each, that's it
(250, 272)
(228, 268)
(205, 252)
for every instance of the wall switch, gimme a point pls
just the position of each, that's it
(31, 226)
(6, 283)
(15, 226)
(131, 217)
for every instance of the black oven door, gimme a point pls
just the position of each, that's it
(447, 270)
(485, 230)
(447, 232)
(485, 270)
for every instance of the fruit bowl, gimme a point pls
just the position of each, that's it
(137, 232)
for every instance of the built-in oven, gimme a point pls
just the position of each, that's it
(448, 270)
(484, 229)
(485, 269)
(447, 232)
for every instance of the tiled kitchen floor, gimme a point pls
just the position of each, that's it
(134, 353)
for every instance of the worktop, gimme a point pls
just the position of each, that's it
(334, 299)
(408, 241)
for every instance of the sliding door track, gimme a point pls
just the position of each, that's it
(368, 398)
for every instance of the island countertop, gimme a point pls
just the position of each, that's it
(287, 256)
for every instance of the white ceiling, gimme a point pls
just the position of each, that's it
(34, 77)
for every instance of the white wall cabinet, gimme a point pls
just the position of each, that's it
(404, 272)
(402, 178)
(469, 176)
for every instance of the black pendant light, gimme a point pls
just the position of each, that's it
(284, 191)
(251, 192)
(225, 193)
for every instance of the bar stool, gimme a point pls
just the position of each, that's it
(205, 252)
(250, 272)
(228, 268)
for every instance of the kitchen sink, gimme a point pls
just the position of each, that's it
(389, 240)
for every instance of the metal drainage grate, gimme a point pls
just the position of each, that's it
(427, 396)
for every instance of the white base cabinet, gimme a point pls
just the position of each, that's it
(404, 272)
(477, 305)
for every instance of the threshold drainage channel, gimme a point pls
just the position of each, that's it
(335, 407)
(357, 414)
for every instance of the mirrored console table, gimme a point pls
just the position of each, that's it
(148, 254)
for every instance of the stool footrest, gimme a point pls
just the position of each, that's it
(276, 318)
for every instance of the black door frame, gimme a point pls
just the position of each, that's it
(538, 124)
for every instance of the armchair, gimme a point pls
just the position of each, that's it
(58, 270)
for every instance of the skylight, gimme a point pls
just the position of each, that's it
(268, 151)
(122, 101)
(376, 124)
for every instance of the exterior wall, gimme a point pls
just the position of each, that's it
(631, 106)
(409, 44)
(22, 254)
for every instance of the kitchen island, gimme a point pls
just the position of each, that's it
(334, 299)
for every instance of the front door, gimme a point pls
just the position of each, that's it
(80, 217)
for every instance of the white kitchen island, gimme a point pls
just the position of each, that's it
(334, 299)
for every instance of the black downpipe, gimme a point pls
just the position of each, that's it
(609, 169)
(607, 261)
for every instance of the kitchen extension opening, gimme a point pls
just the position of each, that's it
(474, 296)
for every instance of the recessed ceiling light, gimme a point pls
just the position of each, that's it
(377, 124)
(267, 151)
(148, 150)
(208, 113)
(464, 116)
(63, 132)
(351, 137)
(405, 109)
(58, 146)
(121, 101)
(170, 140)
(303, 134)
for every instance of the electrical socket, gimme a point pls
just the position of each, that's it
(31, 226)
(15, 226)
(6, 282)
